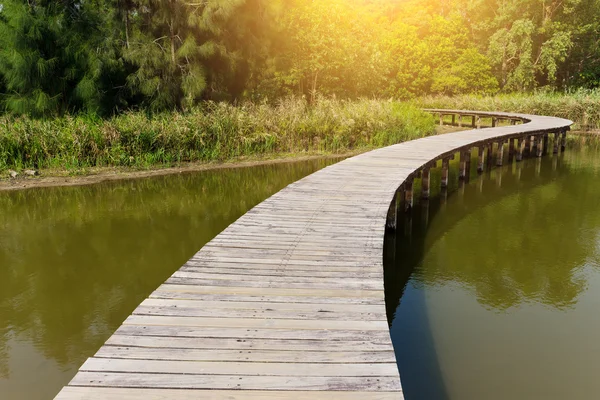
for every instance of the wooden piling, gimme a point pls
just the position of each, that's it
(462, 169)
(445, 169)
(521, 144)
(453, 119)
(473, 124)
(527, 149)
(556, 142)
(539, 139)
(425, 183)
(481, 163)
(408, 195)
(545, 144)
(500, 154)
(563, 142)
(493, 122)
(478, 122)
(490, 154)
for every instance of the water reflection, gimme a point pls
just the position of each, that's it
(75, 261)
(463, 289)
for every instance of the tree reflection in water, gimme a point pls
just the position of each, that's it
(520, 235)
(76, 261)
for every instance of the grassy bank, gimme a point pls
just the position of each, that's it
(212, 132)
(582, 107)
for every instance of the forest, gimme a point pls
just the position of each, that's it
(146, 83)
(104, 57)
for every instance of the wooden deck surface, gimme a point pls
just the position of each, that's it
(288, 301)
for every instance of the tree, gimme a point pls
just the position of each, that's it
(54, 55)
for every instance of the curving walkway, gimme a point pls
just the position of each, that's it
(288, 301)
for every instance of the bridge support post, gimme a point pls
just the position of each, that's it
(463, 172)
(459, 121)
(490, 155)
(534, 146)
(445, 169)
(513, 121)
(473, 125)
(521, 144)
(481, 163)
(425, 183)
(453, 119)
(539, 140)
(441, 119)
(563, 142)
(556, 141)
(511, 149)
(527, 146)
(478, 122)
(546, 141)
(500, 154)
(494, 121)
(408, 195)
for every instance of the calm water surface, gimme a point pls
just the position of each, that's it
(495, 291)
(76, 261)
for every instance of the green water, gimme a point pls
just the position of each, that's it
(495, 291)
(76, 261)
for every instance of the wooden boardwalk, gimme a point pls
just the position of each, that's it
(288, 301)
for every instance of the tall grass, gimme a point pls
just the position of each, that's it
(212, 132)
(582, 107)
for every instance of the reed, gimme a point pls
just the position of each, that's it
(210, 132)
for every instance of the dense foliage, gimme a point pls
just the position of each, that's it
(107, 56)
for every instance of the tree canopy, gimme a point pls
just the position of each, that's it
(105, 56)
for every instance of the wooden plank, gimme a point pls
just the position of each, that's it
(263, 305)
(250, 344)
(265, 314)
(367, 294)
(161, 293)
(250, 323)
(238, 382)
(146, 353)
(97, 393)
(374, 344)
(294, 334)
(300, 369)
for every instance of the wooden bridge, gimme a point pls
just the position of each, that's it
(288, 301)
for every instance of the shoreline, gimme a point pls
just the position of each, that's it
(56, 178)
(107, 174)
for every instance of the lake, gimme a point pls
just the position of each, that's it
(76, 261)
(494, 290)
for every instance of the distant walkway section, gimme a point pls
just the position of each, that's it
(288, 301)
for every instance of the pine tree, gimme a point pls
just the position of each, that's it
(55, 56)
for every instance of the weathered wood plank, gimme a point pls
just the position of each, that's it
(105, 393)
(238, 382)
(300, 369)
(248, 344)
(173, 354)
(294, 334)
